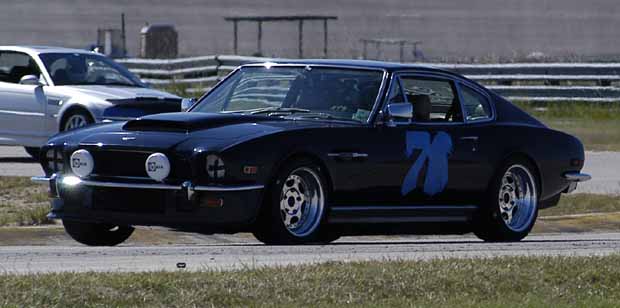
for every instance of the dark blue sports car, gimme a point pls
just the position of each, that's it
(306, 151)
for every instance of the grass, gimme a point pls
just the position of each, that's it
(583, 204)
(22, 202)
(597, 125)
(496, 282)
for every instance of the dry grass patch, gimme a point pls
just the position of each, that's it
(583, 204)
(22, 202)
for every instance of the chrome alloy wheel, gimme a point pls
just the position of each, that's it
(302, 202)
(517, 198)
(75, 121)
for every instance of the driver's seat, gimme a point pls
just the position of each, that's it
(421, 107)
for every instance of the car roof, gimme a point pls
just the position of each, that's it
(44, 49)
(371, 64)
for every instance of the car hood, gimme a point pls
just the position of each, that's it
(111, 93)
(183, 131)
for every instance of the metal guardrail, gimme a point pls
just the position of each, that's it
(539, 82)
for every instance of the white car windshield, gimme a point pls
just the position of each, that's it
(304, 91)
(86, 69)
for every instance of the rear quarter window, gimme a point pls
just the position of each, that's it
(476, 105)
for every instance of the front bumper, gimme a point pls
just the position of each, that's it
(573, 178)
(148, 203)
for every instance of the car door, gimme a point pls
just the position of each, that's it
(434, 159)
(22, 106)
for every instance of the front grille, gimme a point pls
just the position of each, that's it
(129, 200)
(120, 163)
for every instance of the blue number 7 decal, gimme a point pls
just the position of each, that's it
(435, 155)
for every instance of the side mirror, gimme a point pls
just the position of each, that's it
(400, 111)
(32, 80)
(187, 103)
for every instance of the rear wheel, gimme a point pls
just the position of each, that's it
(97, 234)
(512, 204)
(295, 208)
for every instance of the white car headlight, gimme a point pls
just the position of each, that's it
(82, 163)
(157, 166)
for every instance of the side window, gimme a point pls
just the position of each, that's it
(433, 100)
(15, 65)
(475, 104)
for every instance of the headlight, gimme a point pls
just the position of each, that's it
(55, 161)
(157, 166)
(82, 163)
(215, 167)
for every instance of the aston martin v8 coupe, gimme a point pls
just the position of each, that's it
(306, 151)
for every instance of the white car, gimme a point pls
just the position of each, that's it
(46, 90)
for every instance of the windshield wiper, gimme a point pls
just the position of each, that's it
(119, 84)
(323, 115)
(277, 109)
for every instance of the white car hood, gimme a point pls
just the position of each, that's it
(103, 93)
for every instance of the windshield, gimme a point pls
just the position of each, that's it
(309, 92)
(86, 69)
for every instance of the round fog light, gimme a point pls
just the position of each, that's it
(157, 166)
(82, 163)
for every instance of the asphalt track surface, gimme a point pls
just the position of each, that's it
(248, 253)
(603, 166)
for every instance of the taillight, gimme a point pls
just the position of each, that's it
(576, 162)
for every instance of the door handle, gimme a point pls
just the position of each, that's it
(347, 155)
(474, 141)
(470, 138)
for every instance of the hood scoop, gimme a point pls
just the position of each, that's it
(185, 122)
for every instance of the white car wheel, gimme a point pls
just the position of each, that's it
(75, 121)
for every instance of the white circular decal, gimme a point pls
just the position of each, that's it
(82, 163)
(215, 167)
(157, 166)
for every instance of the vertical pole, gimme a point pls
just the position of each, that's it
(260, 38)
(364, 49)
(123, 37)
(325, 38)
(301, 38)
(235, 36)
(402, 51)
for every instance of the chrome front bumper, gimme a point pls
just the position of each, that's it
(55, 181)
(574, 178)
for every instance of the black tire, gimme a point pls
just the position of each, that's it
(271, 228)
(34, 152)
(87, 118)
(97, 234)
(490, 223)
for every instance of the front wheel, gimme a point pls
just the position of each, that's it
(76, 119)
(295, 208)
(97, 234)
(512, 204)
